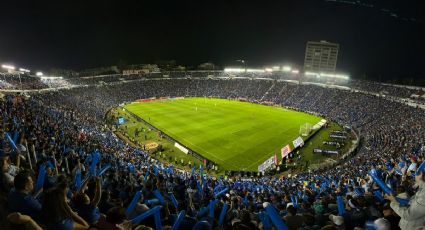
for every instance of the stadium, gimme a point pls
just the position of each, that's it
(162, 146)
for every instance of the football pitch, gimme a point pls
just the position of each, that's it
(236, 135)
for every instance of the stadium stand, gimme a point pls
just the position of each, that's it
(63, 169)
(23, 81)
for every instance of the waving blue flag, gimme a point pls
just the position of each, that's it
(211, 208)
(340, 204)
(179, 220)
(95, 160)
(193, 170)
(421, 168)
(11, 142)
(402, 201)
(40, 178)
(133, 203)
(103, 170)
(379, 182)
(223, 214)
(158, 195)
(216, 195)
(174, 201)
(199, 188)
(378, 196)
(274, 216)
(265, 220)
(153, 211)
(203, 211)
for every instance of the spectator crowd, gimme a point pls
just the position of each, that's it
(62, 168)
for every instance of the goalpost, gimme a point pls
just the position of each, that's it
(305, 129)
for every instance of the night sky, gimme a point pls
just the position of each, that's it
(382, 39)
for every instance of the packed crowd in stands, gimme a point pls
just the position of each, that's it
(8, 81)
(14, 81)
(62, 168)
(376, 87)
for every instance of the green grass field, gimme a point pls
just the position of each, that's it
(236, 135)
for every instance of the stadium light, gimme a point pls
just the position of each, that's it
(310, 74)
(39, 74)
(339, 76)
(8, 67)
(255, 70)
(295, 71)
(50, 78)
(237, 70)
(286, 68)
(268, 69)
(275, 68)
(24, 70)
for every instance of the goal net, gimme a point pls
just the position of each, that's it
(305, 129)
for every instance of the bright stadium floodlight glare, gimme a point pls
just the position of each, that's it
(8, 67)
(50, 78)
(24, 70)
(39, 74)
(275, 68)
(339, 76)
(268, 69)
(237, 70)
(286, 68)
(255, 70)
(311, 74)
(295, 71)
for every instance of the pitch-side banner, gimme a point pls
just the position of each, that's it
(268, 163)
(285, 151)
(183, 149)
(298, 142)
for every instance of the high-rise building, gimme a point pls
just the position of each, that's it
(321, 56)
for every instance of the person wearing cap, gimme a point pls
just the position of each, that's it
(412, 215)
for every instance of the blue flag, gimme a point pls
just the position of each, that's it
(40, 178)
(276, 219)
(223, 214)
(340, 204)
(11, 141)
(103, 170)
(179, 220)
(379, 182)
(133, 203)
(174, 201)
